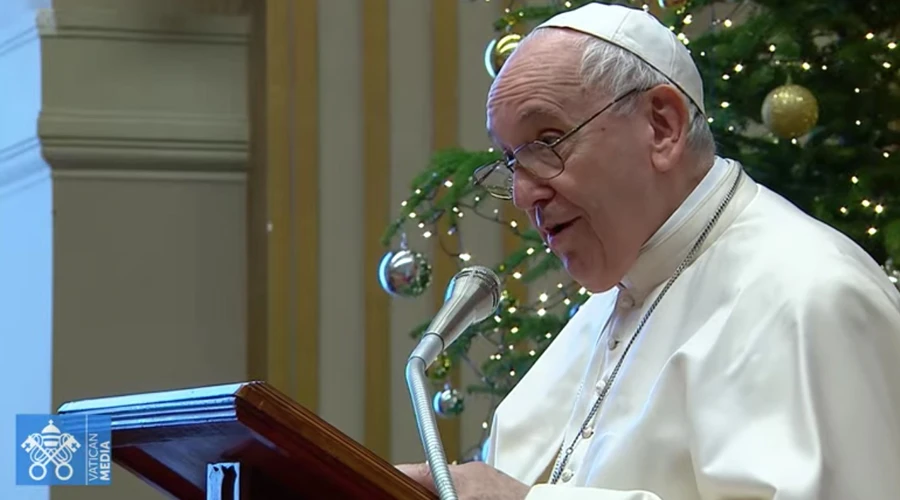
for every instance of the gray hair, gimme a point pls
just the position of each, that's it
(614, 71)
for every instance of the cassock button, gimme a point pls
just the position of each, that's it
(587, 433)
(612, 343)
(601, 384)
(566, 476)
(626, 301)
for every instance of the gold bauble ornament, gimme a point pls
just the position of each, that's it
(790, 111)
(498, 51)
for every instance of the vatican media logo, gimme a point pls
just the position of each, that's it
(63, 450)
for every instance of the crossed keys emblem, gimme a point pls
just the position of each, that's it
(50, 446)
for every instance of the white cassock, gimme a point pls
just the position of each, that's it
(769, 370)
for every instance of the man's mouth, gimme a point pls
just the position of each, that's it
(554, 230)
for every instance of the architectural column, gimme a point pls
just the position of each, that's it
(123, 159)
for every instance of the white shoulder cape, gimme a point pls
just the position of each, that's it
(770, 370)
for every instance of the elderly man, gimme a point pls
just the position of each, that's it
(734, 348)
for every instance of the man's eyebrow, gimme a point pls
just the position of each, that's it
(537, 112)
(529, 113)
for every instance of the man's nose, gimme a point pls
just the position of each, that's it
(528, 191)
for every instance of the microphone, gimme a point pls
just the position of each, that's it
(471, 297)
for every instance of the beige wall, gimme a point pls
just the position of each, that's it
(146, 137)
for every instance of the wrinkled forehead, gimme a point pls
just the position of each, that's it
(539, 86)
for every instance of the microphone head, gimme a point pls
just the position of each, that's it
(480, 286)
(471, 297)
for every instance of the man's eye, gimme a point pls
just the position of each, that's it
(548, 139)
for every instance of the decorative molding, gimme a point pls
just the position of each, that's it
(141, 25)
(74, 78)
(89, 139)
(154, 176)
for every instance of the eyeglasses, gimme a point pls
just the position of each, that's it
(538, 158)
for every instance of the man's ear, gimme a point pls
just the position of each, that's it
(669, 117)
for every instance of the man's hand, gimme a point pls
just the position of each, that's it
(473, 481)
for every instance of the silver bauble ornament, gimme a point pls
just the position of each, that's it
(498, 51)
(448, 403)
(404, 273)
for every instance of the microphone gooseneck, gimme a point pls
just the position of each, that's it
(471, 297)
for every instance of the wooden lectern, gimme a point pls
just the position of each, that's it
(242, 441)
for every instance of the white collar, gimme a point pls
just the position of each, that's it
(664, 251)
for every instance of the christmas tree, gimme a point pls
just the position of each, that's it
(804, 94)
